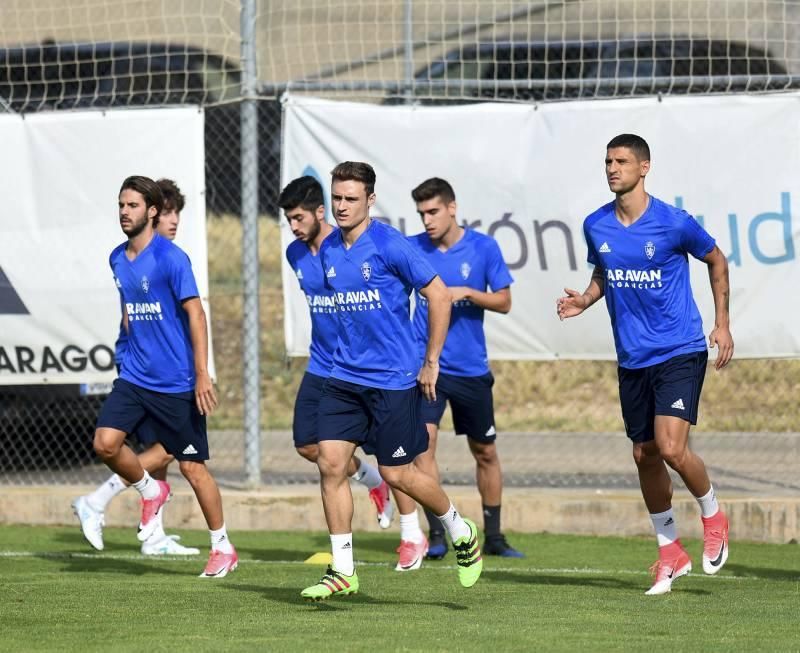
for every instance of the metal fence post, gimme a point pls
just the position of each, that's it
(249, 171)
(408, 54)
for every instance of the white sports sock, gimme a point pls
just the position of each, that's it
(147, 487)
(409, 528)
(454, 524)
(158, 531)
(220, 541)
(101, 497)
(664, 524)
(342, 548)
(367, 475)
(708, 503)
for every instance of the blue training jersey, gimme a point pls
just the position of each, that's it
(371, 284)
(120, 346)
(152, 287)
(308, 269)
(474, 261)
(647, 289)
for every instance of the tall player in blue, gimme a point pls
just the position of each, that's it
(164, 385)
(304, 207)
(90, 509)
(639, 247)
(373, 392)
(472, 266)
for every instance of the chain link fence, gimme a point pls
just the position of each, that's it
(156, 52)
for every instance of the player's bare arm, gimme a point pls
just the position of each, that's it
(576, 303)
(204, 393)
(438, 296)
(720, 335)
(498, 301)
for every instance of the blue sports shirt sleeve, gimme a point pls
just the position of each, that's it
(407, 264)
(181, 276)
(497, 272)
(591, 254)
(693, 238)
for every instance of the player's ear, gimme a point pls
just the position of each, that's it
(451, 209)
(319, 214)
(371, 200)
(152, 212)
(644, 167)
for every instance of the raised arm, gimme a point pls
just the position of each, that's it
(720, 335)
(205, 396)
(576, 303)
(438, 296)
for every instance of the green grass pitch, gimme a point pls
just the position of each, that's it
(570, 593)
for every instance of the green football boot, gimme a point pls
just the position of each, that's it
(332, 584)
(468, 556)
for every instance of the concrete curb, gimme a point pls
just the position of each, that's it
(529, 510)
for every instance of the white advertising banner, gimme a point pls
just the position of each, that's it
(528, 175)
(60, 174)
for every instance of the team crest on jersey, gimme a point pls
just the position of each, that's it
(366, 270)
(299, 273)
(465, 270)
(145, 284)
(649, 249)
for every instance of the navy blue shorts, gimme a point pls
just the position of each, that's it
(671, 387)
(306, 413)
(471, 403)
(306, 409)
(172, 418)
(386, 423)
(147, 434)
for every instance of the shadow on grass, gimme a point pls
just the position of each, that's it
(291, 596)
(101, 565)
(603, 582)
(76, 539)
(792, 575)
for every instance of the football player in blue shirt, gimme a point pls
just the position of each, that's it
(90, 509)
(164, 385)
(472, 267)
(639, 247)
(304, 207)
(373, 392)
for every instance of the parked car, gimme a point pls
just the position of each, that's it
(55, 76)
(552, 70)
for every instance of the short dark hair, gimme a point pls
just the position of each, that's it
(355, 171)
(172, 194)
(147, 188)
(434, 187)
(634, 143)
(305, 192)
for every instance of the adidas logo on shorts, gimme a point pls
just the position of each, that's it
(189, 450)
(399, 453)
(679, 405)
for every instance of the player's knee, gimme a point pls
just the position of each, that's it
(193, 471)
(674, 454)
(309, 451)
(645, 454)
(331, 466)
(396, 476)
(104, 446)
(485, 454)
